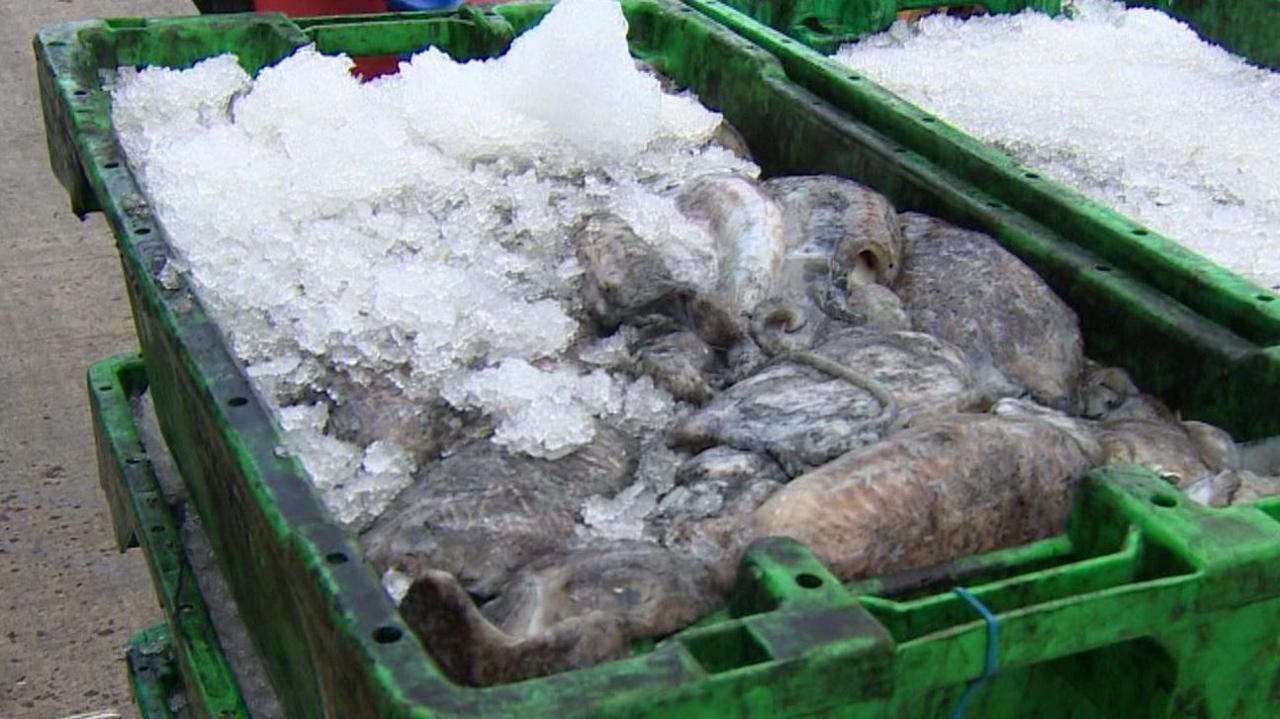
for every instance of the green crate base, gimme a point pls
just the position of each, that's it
(154, 677)
(1185, 599)
(141, 516)
(1147, 606)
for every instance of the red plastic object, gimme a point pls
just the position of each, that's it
(305, 8)
(375, 66)
(366, 67)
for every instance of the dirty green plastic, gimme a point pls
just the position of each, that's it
(1201, 337)
(1184, 598)
(1245, 27)
(996, 185)
(1248, 28)
(828, 24)
(140, 516)
(154, 675)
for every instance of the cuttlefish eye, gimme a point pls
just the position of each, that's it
(869, 260)
(626, 594)
(786, 316)
(867, 268)
(619, 586)
(860, 275)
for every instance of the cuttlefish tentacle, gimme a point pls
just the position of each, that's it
(771, 319)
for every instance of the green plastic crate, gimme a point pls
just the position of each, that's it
(828, 24)
(184, 661)
(986, 189)
(1187, 599)
(154, 676)
(140, 516)
(1167, 587)
(1245, 27)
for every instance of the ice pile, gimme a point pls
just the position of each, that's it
(630, 513)
(387, 257)
(518, 395)
(1128, 106)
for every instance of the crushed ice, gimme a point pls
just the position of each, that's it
(381, 254)
(1128, 106)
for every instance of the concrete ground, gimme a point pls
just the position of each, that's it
(68, 600)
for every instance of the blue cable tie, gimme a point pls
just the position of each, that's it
(993, 641)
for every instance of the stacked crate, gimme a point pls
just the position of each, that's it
(1185, 598)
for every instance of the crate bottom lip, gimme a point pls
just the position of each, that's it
(162, 682)
(154, 678)
(134, 439)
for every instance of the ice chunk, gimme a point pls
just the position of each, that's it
(195, 99)
(571, 81)
(658, 466)
(577, 72)
(396, 583)
(621, 516)
(608, 352)
(304, 418)
(543, 413)
(385, 470)
(685, 118)
(624, 515)
(647, 406)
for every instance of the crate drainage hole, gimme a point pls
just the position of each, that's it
(104, 387)
(143, 230)
(1102, 268)
(1140, 232)
(809, 581)
(1031, 176)
(1164, 500)
(237, 401)
(335, 558)
(132, 460)
(814, 23)
(386, 635)
(111, 165)
(1265, 298)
